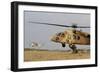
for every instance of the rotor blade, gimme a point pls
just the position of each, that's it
(50, 24)
(59, 25)
(82, 27)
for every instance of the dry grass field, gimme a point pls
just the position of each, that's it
(45, 55)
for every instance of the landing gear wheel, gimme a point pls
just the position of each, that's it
(73, 47)
(63, 45)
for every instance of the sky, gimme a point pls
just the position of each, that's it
(41, 34)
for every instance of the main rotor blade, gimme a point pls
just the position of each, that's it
(50, 24)
(59, 25)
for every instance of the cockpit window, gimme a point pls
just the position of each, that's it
(61, 34)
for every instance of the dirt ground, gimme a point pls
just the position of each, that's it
(45, 55)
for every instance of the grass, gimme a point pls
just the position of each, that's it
(45, 55)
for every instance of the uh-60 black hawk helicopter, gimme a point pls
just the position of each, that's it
(72, 36)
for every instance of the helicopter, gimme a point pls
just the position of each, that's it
(72, 37)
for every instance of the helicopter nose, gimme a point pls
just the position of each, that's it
(55, 39)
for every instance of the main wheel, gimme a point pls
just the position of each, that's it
(73, 47)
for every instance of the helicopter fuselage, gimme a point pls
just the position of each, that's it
(72, 37)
